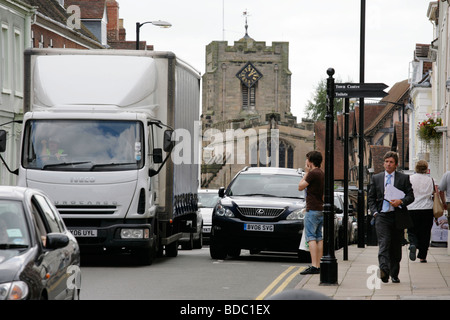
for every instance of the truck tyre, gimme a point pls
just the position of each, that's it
(146, 255)
(172, 249)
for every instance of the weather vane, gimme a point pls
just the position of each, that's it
(246, 14)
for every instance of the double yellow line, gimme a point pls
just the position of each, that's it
(279, 279)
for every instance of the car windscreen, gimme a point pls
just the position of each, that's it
(13, 225)
(83, 145)
(270, 185)
(208, 200)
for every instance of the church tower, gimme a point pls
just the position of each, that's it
(246, 89)
(246, 83)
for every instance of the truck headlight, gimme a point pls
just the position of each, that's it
(223, 211)
(134, 233)
(298, 214)
(17, 290)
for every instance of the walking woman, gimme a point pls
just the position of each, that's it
(421, 211)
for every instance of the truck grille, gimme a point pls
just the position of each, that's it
(260, 212)
(105, 209)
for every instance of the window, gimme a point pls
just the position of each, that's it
(51, 218)
(83, 145)
(248, 97)
(6, 63)
(18, 63)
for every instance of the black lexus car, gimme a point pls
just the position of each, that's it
(260, 210)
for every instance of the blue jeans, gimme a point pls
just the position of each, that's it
(313, 225)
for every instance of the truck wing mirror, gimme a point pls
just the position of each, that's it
(168, 143)
(2, 140)
(157, 155)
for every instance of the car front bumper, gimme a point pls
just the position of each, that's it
(281, 235)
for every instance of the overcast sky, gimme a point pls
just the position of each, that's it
(321, 34)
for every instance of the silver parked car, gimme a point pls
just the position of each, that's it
(207, 200)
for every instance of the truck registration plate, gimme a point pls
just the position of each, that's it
(84, 232)
(259, 227)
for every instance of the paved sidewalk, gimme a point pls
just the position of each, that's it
(357, 278)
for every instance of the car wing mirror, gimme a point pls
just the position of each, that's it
(56, 241)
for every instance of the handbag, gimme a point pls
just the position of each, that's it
(438, 207)
(303, 244)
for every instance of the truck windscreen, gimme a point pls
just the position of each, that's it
(83, 145)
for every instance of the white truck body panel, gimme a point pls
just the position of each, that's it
(109, 85)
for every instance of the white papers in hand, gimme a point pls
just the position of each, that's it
(392, 193)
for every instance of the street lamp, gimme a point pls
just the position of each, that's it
(158, 23)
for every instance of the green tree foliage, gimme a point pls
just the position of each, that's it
(317, 109)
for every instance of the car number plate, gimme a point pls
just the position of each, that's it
(84, 233)
(259, 227)
(207, 229)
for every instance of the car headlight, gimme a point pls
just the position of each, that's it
(17, 290)
(298, 214)
(222, 211)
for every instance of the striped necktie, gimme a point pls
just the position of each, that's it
(385, 202)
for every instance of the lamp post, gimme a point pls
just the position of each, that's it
(328, 263)
(158, 23)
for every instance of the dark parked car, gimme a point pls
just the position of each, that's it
(261, 210)
(39, 257)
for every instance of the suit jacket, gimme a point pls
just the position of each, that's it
(376, 191)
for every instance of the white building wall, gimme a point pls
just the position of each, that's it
(15, 36)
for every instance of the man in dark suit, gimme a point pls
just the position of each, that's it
(390, 237)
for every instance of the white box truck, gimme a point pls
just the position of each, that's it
(110, 136)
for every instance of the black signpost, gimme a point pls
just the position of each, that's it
(328, 267)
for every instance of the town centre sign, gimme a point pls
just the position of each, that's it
(360, 90)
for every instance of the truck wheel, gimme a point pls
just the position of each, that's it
(217, 251)
(172, 249)
(146, 255)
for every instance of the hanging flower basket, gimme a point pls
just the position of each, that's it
(427, 131)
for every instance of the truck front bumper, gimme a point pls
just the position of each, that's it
(113, 236)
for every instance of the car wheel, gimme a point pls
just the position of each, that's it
(217, 251)
(188, 245)
(198, 243)
(76, 294)
(234, 252)
(304, 256)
